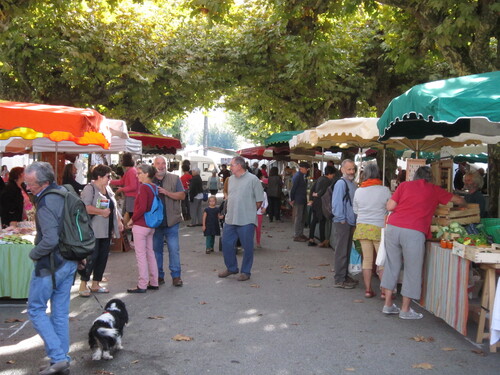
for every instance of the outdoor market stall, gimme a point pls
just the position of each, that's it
(33, 121)
(465, 108)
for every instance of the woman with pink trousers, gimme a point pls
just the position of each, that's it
(143, 235)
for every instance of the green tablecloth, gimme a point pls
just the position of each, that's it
(15, 270)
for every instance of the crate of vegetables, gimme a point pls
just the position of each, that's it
(445, 214)
(476, 249)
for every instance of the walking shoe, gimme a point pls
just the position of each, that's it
(176, 281)
(207, 251)
(311, 243)
(304, 237)
(56, 368)
(152, 287)
(390, 309)
(136, 290)
(410, 315)
(243, 277)
(350, 280)
(325, 243)
(344, 285)
(161, 281)
(226, 273)
(300, 239)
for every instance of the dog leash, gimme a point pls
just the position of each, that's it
(102, 307)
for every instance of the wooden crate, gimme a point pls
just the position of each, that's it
(446, 214)
(478, 254)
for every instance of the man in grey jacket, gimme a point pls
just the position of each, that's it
(54, 331)
(344, 222)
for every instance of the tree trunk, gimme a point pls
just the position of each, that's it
(493, 178)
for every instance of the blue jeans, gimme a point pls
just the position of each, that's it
(230, 236)
(54, 331)
(171, 234)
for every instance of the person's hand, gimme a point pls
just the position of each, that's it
(120, 226)
(314, 194)
(118, 191)
(130, 223)
(263, 210)
(291, 203)
(162, 190)
(106, 212)
(309, 203)
(203, 228)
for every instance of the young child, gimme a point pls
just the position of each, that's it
(260, 214)
(210, 223)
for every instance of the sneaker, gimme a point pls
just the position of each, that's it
(344, 285)
(226, 273)
(350, 280)
(410, 315)
(56, 368)
(391, 309)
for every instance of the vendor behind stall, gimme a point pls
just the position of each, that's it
(473, 183)
(15, 199)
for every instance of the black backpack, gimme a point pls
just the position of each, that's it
(76, 240)
(326, 199)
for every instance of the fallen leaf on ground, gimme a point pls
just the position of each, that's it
(294, 324)
(448, 349)
(14, 320)
(350, 369)
(269, 236)
(314, 285)
(358, 301)
(317, 277)
(134, 362)
(287, 267)
(254, 285)
(478, 352)
(182, 338)
(203, 303)
(158, 317)
(323, 265)
(420, 338)
(285, 271)
(104, 372)
(10, 362)
(424, 366)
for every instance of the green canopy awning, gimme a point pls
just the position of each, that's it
(469, 104)
(282, 137)
(471, 158)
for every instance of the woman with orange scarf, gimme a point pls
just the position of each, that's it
(369, 204)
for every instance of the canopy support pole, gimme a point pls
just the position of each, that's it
(383, 167)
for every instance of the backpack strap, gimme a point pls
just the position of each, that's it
(155, 191)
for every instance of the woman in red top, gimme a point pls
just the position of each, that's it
(129, 183)
(143, 235)
(412, 206)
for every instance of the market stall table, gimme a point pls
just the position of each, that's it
(445, 289)
(15, 270)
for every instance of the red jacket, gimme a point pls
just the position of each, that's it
(142, 204)
(129, 182)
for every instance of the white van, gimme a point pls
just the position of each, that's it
(205, 164)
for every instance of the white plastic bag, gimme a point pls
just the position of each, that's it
(354, 262)
(381, 254)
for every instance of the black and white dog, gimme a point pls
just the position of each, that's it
(107, 330)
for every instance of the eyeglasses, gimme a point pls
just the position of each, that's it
(108, 176)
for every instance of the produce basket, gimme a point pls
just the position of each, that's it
(478, 254)
(445, 214)
(492, 227)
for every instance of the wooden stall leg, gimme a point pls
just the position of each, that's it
(484, 309)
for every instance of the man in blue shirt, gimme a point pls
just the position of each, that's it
(344, 222)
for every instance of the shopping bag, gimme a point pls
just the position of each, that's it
(354, 262)
(381, 254)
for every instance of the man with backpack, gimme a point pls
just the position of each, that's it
(53, 275)
(344, 222)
